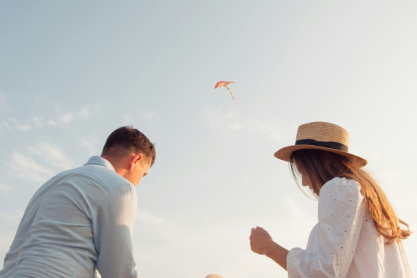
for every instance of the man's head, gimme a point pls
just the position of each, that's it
(130, 152)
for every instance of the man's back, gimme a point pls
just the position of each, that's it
(79, 220)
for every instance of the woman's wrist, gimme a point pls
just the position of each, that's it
(277, 253)
(271, 249)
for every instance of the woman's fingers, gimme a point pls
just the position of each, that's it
(259, 240)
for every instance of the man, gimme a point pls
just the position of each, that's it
(82, 219)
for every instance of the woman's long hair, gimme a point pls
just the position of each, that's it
(322, 166)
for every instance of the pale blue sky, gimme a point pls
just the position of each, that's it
(72, 72)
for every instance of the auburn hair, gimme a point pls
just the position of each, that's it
(322, 166)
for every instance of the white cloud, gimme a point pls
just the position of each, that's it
(65, 118)
(36, 121)
(25, 166)
(274, 130)
(85, 113)
(40, 163)
(5, 188)
(12, 218)
(51, 122)
(91, 144)
(52, 154)
(23, 127)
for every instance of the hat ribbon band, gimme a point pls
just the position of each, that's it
(332, 145)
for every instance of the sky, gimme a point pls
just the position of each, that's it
(71, 72)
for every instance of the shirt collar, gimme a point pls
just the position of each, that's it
(98, 160)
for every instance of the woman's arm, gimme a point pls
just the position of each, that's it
(262, 243)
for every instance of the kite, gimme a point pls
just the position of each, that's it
(224, 84)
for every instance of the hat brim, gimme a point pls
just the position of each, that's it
(285, 153)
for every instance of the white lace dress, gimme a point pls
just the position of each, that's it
(345, 241)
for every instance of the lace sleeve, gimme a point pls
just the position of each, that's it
(340, 218)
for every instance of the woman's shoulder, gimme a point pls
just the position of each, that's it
(342, 189)
(338, 197)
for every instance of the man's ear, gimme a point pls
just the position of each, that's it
(135, 159)
(138, 157)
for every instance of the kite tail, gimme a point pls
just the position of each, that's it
(230, 92)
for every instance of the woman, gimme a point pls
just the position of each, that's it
(358, 234)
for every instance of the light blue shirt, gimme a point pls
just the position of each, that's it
(79, 221)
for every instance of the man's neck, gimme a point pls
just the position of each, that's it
(115, 163)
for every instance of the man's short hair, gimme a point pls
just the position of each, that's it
(127, 139)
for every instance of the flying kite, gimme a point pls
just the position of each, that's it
(224, 84)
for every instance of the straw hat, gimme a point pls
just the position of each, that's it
(321, 136)
(213, 276)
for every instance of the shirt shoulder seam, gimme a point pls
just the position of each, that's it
(107, 194)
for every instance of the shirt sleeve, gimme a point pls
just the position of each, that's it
(341, 212)
(113, 233)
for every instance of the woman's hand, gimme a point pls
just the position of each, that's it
(260, 241)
